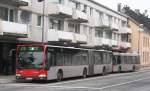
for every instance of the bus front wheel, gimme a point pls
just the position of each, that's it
(59, 75)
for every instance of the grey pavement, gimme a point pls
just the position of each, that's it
(7, 79)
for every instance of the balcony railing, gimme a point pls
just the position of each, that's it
(78, 16)
(22, 2)
(13, 29)
(114, 26)
(124, 45)
(103, 41)
(55, 35)
(114, 43)
(59, 10)
(125, 30)
(82, 39)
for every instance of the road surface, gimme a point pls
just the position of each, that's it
(134, 81)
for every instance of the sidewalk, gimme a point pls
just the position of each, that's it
(7, 79)
(145, 68)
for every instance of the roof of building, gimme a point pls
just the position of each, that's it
(138, 17)
(93, 1)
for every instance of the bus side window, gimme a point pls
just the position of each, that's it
(114, 60)
(59, 59)
(104, 58)
(101, 58)
(118, 60)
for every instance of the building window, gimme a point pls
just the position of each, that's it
(74, 27)
(101, 17)
(25, 17)
(99, 33)
(7, 14)
(108, 34)
(57, 1)
(85, 27)
(124, 23)
(77, 28)
(39, 20)
(56, 24)
(75, 5)
(125, 37)
(40, 0)
(11, 15)
(110, 20)
(85, 9)
(71, 27)
(91, 11)
(4, 13)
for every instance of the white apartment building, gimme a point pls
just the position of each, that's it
(83, 22)
(74, 22)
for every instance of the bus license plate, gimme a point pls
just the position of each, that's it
(29, 78)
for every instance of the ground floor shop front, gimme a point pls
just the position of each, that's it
(7, 58)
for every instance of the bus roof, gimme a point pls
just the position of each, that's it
(77, 48)
(64, 47)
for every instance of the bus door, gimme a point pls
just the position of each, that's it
(91, 63)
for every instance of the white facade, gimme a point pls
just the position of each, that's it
(78, 21)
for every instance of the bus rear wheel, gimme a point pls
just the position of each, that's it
(119, 69)
(133, 69)
(59, 75)
(84, 73)
(104, 71)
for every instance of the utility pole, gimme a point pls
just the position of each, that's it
(43, 20)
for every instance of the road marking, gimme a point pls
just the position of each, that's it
(101, 77)
(85, 88)
(71, 87)
(95, 88)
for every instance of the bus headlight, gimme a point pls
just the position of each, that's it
(42, 75)
(18, 75)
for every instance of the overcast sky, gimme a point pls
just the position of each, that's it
(134, 4)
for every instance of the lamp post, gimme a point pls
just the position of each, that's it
(43, 21)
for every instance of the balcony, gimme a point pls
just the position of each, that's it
(114, 43)
(81, 39)
(15, 2)
(13, 29)
(125, 30)
(124, 45)
(102, 24)
(22, 2)
(79, 16)
(55, 35)
(114, 26)
(59, 10)
(102, 41)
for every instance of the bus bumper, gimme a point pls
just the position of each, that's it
(31, 78)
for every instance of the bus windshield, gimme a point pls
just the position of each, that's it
(30, 57)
